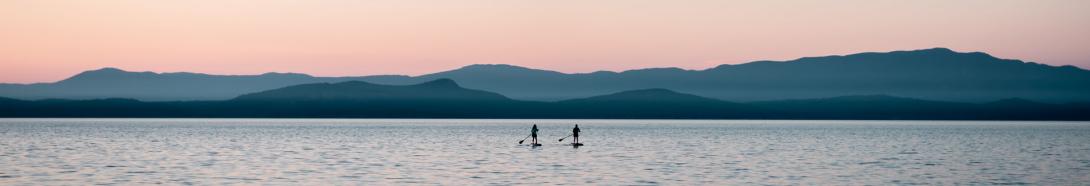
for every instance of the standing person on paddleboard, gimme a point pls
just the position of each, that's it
(575, 133)
(533, 133)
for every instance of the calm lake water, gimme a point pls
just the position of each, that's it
(476, 152)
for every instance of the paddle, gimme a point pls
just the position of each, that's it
(562, 139)
(524, 139)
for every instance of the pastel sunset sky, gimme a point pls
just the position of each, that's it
(48, 40)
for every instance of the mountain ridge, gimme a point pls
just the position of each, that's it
(355, 99)
(436, 90)
(933, 74)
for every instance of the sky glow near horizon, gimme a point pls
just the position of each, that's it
(49, 40)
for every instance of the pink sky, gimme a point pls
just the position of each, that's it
(48, 40)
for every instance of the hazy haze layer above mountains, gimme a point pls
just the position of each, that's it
(932, 74)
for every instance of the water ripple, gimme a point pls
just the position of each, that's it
(485, 152)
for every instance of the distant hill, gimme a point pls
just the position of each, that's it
(655, 103)
(149, 86)
(437, 90)
(446, 99)
(112, 107)
(442, 98)
(932, 74)
(655, 96)
(884, 107)
(871, 107)
(353, 99)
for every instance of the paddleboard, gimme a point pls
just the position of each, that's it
(576, 144)
(535, 144)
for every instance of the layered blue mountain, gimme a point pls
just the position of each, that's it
(654, 103)
(149, 86)
(445, 98)
(358, 91)
(889, 107)
(442, 98)
(931, 74)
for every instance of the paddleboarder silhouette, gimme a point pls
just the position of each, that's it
(533, 133)
(575, 133)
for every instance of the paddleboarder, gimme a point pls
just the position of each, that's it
(575, 133)
(533, 133)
